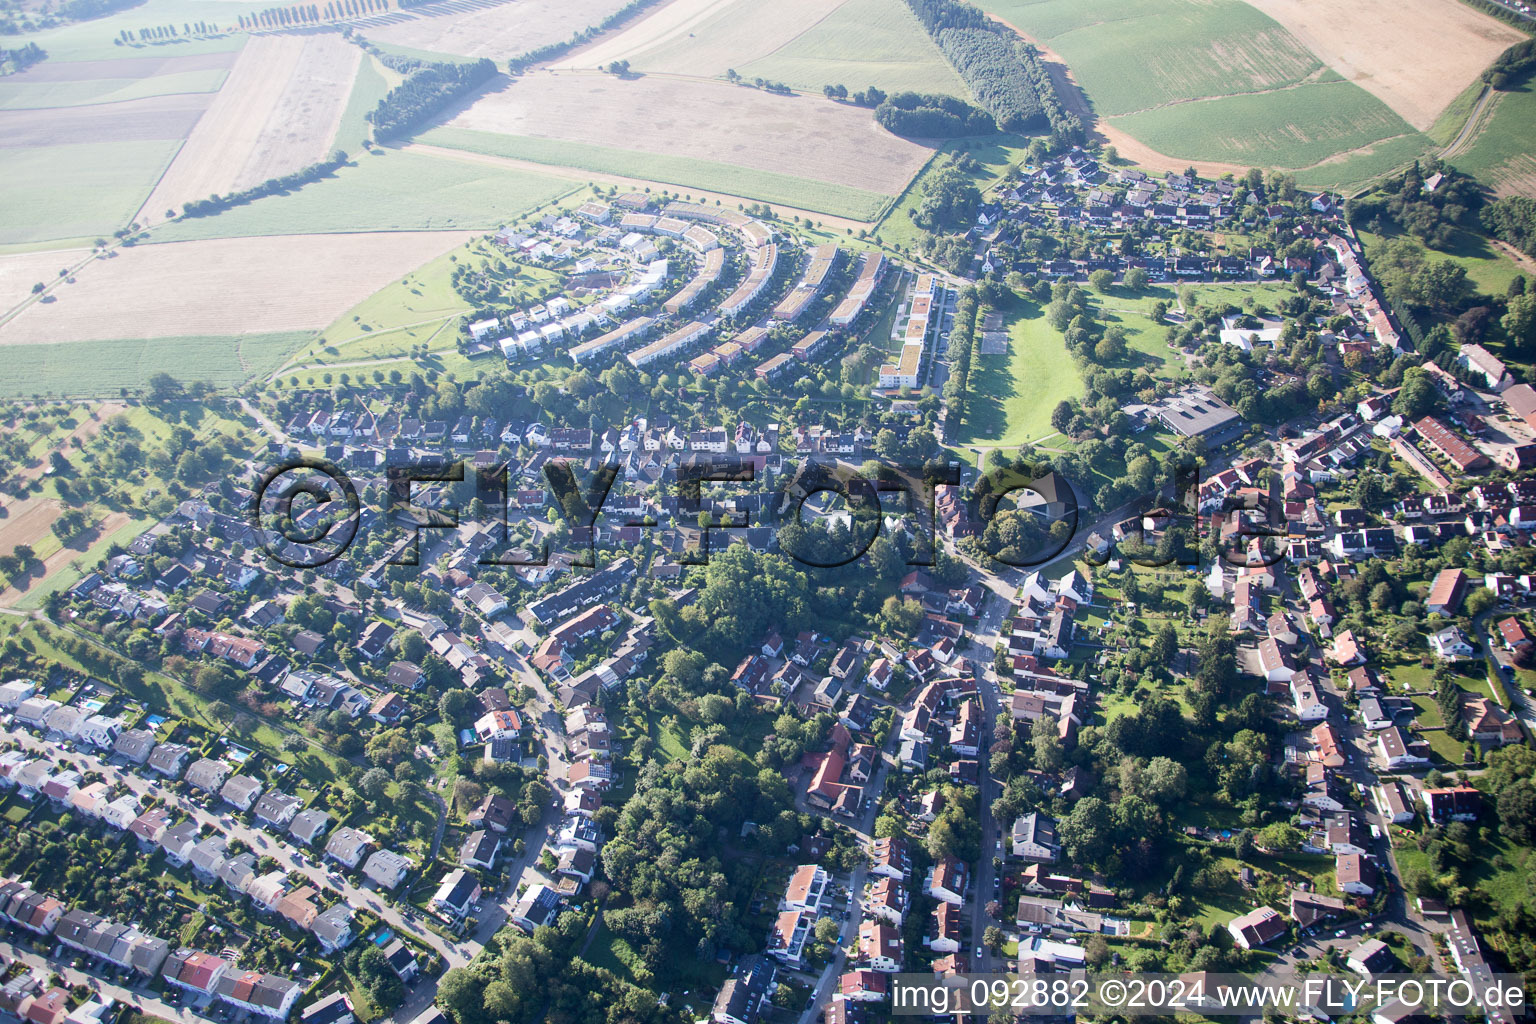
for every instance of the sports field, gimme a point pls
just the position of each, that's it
(1013, 395)
(385, 190)
(1503, 154)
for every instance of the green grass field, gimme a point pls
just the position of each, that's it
(764, 186)
(100, 368)
(77, 191)
(1013, 395)
(368, 88)
(1486, 267)
(1502, 153)
(34, 95)
(862, 43)
(1291, 128)
(386, 190)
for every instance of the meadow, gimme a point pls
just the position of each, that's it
(862, 43)
(1501, 154)
(385, 190)
(100, 368)
(686, 172)
(1013, 395)
(1486, 267)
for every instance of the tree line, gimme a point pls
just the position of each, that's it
(929, 116)
(311, 14)
(272, 186)
(986, 57)
(83, 10)
(549, 51)
(428, 88)
(12, 61)
(1511, 66)
(962, 343)
(1513, 220)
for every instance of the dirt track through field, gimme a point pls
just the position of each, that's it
(277, 113)
(225, 287)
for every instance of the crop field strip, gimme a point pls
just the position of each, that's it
(764, 186)
(386, 190)
(1223, 85)
(1503, 153)
(862, 43)
(277, 112)
(798, 136)
(100, 368)
(499, 31)
(263, 285)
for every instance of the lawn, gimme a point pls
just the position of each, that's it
(385, 190)
(1013, 395)
(1292, 128)
(1486, 267)
(684, 172)
(80, 190)
(100, 368)
(1501, 154)
(862, 43)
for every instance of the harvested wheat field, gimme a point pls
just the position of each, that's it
(1416, 56)
(226, 286)
(800, 136)
(277, 112)
(705, 37)
(496, 30)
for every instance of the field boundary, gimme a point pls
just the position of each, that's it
(432, 143)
